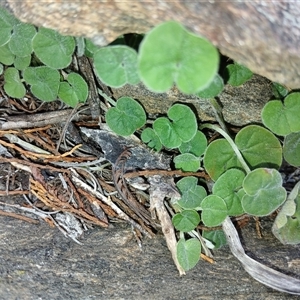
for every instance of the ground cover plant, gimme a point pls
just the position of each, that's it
(242, 168)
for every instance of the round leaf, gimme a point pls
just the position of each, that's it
(13, 85)
(53, 49)
(170, 54)
(187, 162)
(214, 89)
(196, 145)
(229, 188)
(22, 62)
(186, 221)
(238, 74)
(182, 128)
(214, 210)
(73, 91)
(126, 117)
(116, 65)
(20, 43)
(219, 157)
(44, 82)
(282, 118)
(259, 147)
(264, 192)
(188, 253)
(6, 57)
(191, 193)
(291, 149)
(149, 137)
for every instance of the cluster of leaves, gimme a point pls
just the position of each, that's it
(34, 58)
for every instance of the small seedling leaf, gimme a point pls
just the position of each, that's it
(187, 162)
(13, 85)
(126, 117)
(287, 223)
(214, 89)
(116, 65)
(217, 237)
(149, 137)
(20, 43)
(196, 145)
(53, 49)
(44, 82)
(219, 157)
(291, 149)
(229, 188)
(188, 253)
(238, 74)
(74, 91)
(264, 192)
(182, 128)
(214, 210)
(186, 221)
(282, 118)
(170, 54)
(191, 193)
(259, 147)
(6, 57)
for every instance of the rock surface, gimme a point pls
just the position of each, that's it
(264, 35)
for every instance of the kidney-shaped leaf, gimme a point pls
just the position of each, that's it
(44, 82)
(188, 253)
(282, 118)
(191, 193)
(186, 221)
(214, 210)
(170, 54)
(126, 117)
(291, 149)
(259, 147)
(181, 128)
(149, 137)
(7, 21)
(238, 74)
(229, 188)
(264, 192)
(13, 85)
(116, 65)
(53, 49)
(187, 162)
(196, 145)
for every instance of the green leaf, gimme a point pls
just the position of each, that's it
(13, 86)
(126, 117)
(6, 57)
(279, 91)
(182, 128)
(238, 74)
(74, 91)
(149, 137)
(7, 21)
(196, 145)
(286, 227)
(264, 192)
(217, 237)
(188, 253)
(291, 149)
(214, 89)
(90, 48)
(282, 118)
(186, 221)
(187, 162)
(259, 147)
(219, 157)
(116, 65)
(20, 43)
(53, 49)
(170, 54)
(229, 188)
(214, 210)
(191, 193)
(22, 62)
(1, 69)
(44, 82)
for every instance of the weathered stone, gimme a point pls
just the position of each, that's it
(264, 36)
